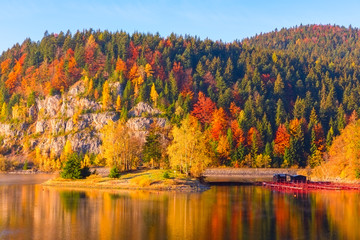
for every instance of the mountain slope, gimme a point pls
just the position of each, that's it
(304, 78)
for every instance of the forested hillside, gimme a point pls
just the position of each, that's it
(276, 99)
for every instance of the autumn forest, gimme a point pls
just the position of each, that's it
(279, 99)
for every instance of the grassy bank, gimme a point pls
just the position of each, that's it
(143, 179)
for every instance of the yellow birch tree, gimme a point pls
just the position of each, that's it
(188, 151)
(106, 97)
(120, 147)
(118, 103)
(153, 94)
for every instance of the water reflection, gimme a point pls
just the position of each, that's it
(236, 212)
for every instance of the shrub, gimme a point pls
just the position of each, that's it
(166, 175)
(357, 173)
(85, 172)
(72, 168)
(114, 172)
(145, 182)
(4, 164)
(25, 167)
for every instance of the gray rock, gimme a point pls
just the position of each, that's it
(57, 126)
(69, 125)
(32, 112)
(40, 126)
(77, 89)
(5, 130)
(141, 123)
(85, 142)
(55, 144)
(49, 106)
(141, 108)
(99, 120)
(115, 88)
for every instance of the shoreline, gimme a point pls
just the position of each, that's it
(197, 187)
(139, 180)
(27, 172)
(177, 183)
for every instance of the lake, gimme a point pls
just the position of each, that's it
(29, 210)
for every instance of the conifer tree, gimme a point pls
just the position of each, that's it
(280, 116)
(279, 86)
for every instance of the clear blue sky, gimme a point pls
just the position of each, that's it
(227, 20)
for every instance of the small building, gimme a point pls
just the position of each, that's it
(298, 178)
(282, 178)
(279, 177)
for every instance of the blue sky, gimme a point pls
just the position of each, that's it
(227, 20)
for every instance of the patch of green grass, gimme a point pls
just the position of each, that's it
(144, 179)
(154, 179)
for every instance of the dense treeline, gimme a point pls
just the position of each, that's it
(275, 99)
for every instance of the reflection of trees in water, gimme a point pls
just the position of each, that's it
(237, 212)
(70, 199)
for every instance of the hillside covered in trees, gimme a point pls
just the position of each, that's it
(276, 99)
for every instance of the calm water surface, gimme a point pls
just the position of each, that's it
(31, 211)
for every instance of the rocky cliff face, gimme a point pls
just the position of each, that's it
(74, 118)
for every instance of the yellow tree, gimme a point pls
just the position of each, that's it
(120, 147)
(18, 112)
(153, 94)
(148, 70)
(344, 155)
(90, 88)
(223, 149)
(85, 162)
(3, 110)
(137, 82)
(68, 148)
(188, 151)
(118, 104)
(106, 97)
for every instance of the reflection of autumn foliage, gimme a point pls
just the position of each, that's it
(236, 212)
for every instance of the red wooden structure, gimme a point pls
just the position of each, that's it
(309, 186)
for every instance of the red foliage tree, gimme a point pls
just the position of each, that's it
(238, 134)
(121, 66)
(72, 70)
(250, 137)
(59, 81)
(5, 65)
(218, 124)
(234, 110)
(204, 109)
(94, 58)
(13, 80)
(282, 140)
(28, 83)
(319, 137)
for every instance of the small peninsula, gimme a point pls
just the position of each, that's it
(137, 180)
